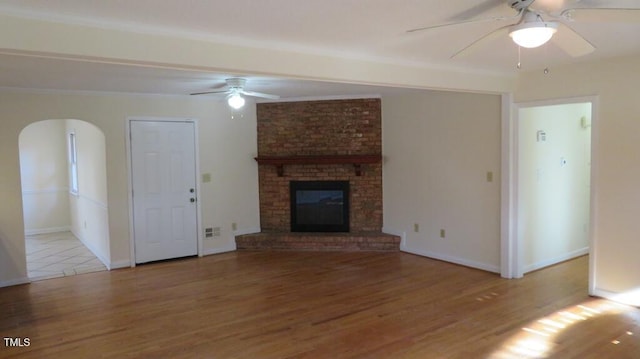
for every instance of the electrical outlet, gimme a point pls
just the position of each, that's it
(208, 232)
(416, 227)
(442, 233)
(234, 226)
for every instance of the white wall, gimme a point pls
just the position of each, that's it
(89, 208)
(616, 176)
(43, 171)
(553, 183)
(227, 148)
(438, 148)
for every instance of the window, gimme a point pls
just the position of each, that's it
(73, 164)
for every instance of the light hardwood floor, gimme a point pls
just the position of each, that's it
(316, 305)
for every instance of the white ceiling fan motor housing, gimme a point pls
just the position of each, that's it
(236, 83)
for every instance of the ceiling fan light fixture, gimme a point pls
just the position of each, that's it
(533, 34)
(235, 101)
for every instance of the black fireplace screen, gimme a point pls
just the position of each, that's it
(319, 206)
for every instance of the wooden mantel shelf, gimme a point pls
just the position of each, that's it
(355, 160)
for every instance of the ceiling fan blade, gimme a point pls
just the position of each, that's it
(602, 15)
(497, 33)
(479, 9)
(571, 42)
(219, 86)
(209, 92)
(259, 94)
(454, 23)
(615, 5)
(605, 4)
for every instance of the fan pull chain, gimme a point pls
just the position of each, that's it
(234, 112)
(546, 58)
(519, 63)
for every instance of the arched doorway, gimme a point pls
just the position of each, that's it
(63, 174)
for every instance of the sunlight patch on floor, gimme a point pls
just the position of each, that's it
(539, 338)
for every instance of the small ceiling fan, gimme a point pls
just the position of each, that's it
(234, 91)
(536, 21)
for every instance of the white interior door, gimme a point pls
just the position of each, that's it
(164, 190)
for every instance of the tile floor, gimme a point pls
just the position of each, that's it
(61, 254)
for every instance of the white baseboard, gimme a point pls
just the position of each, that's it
(17, 281)
(218, 250)
(597, 292)
(33, 232)
(119, 264)
(232, 246)
(93, 250)
(464, 262)
(632, 298)
(565, 257)
(244, 231)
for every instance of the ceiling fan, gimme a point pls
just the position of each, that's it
(234, 91)
(536, 21)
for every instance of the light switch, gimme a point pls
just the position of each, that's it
(489, 176)
(206, 177)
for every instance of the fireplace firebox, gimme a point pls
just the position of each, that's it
(319, 206)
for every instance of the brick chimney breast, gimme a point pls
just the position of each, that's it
(313, 128)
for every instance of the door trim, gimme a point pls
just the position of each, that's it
(196, 144)
(511, 263)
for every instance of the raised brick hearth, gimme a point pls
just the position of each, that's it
(318, 241)
(320, 128)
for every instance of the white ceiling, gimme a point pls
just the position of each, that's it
(364, 29)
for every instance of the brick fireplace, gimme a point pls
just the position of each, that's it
(334, 140)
